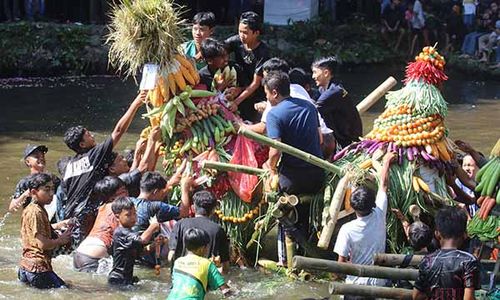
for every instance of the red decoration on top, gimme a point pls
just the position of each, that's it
(428, 66)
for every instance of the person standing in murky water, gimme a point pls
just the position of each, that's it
(38, 237)
(89, 166)
(34, 159)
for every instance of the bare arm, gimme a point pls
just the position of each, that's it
(186, 184)
(469, 294)
(148, 233)
(149, 158)
(274, 156)
(249, 90)
(320, 136)
(49, 244)
(16, 203)
(123, 124)
(384, 173)
(342, 259)
(140, 146)
(258, 127)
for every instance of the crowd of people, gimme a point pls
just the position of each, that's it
(104, 203)
(469, 27)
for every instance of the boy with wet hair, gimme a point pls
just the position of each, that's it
(420, 237)
(448, 273)
(335, 106)
(250, 54)
(38, 237)
(204, 205)
(88, 166)
(203, 28)
(360, 239)
(127, 244)
(193, 275)
(98, 243)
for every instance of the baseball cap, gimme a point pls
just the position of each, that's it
(32, 148)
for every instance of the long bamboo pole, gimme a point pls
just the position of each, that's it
(337, 288)
(392, 260)
(314, 160)
(377, 93)
(231, 167)
(300, 262)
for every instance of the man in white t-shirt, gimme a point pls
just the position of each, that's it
(360, 239)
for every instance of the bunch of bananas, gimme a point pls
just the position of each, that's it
(173, 80)
(228, 75)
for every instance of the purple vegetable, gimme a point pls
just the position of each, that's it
(372, 147)
(340, 154)
(425, 156)
(409, 154)
(400, 155)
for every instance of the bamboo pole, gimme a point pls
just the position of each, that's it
(377, 93)
(337, 288)
(314, 160)
(392, 260)
(300, 262)
(290, 251)
(334, 209)
(220, 166)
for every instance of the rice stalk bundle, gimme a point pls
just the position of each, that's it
(145, 31)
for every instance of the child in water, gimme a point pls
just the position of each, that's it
(194, 275)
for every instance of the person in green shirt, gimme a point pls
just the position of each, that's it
(194, 275)
(203, 28)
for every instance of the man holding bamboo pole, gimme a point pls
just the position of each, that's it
(295, 123)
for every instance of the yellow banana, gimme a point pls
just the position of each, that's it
(179, 80)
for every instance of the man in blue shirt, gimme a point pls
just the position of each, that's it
(294, 122)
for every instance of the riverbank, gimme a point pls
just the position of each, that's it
(51, 49)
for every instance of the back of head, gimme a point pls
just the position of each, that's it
(61, 164)
(278, 81)
(205, 18)
(152, 181)
(120, 204)
(451, 222)
(252, 20)
(128, 154)
(73, 136)
(298, 76)
(420, 235)
(363, 200)
(204, 202)
(212, 48)
(275, 64)
(107, 187)
(329, 63)
(195, 238)
(36, 181)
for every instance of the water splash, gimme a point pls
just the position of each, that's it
(2, 220)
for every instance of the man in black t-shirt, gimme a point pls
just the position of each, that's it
(204, 204)
(250, 54)
(89, 166)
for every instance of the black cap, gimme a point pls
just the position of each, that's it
(32, 148)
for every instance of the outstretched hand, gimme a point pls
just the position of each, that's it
(141, 98)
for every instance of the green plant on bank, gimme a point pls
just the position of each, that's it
(29, 49)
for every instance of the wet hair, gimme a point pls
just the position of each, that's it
(73, 136)
(329, 63)
(128, 154)
(151, 181)
(363, 200)
(38, 180)
(195, 238)
(205, 18)
(275, 64)
(212, 48)
(419, 235)
(106, 188)
(61, 164)
(120, 204)
(204, 202)
(298, 76)
(252, 20)
(451, 222)
(278, 81)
